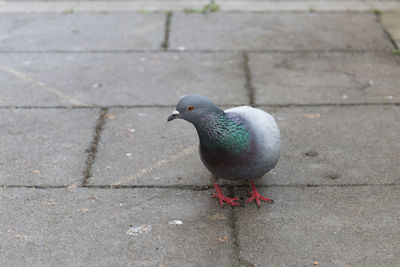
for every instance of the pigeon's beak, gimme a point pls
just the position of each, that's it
(175, 114)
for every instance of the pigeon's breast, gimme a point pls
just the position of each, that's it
(260, 154)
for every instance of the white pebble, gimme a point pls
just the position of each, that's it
(181, 48)
(128, 154)
(175, 222)
(132, 130)
(143, 229)
(345, 96)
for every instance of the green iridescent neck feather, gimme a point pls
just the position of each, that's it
(224, 132)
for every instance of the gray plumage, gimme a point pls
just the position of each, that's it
(238, 143)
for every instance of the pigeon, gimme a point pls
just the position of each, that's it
(240, 143)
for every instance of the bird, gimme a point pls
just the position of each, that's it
(240, 143)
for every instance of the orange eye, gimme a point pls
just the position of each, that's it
(189, 108)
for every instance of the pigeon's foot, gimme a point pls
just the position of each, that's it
(222, 197)
(254, 195)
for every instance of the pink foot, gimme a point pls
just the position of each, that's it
(222, 198)
(254, 195)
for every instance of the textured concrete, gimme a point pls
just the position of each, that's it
(123, 155)
(310, 78)
(391, 23)
(334, 226)
(122, 78)
(81, 32)
(71, 227)
(197, 5)
(354, 146)
(329, 78)
(277, 31)
(44, 147)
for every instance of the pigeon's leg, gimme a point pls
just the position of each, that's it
(222, 198)
(254, 195)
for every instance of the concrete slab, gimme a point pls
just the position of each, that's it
(139, 147)
(277, 31)
(44, 146)
(391, 22)
(354, 145)
(121, 78)
(81, 32)
(337, 145)
(61, 6)
(289, 5)
(113, 227)
(334, 226)
(320, 78)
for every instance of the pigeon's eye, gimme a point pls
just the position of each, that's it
(189, 108)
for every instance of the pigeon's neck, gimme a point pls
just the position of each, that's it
(220, 131)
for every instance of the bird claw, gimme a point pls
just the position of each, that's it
(222, 198)
(254, 195)
(230, 201)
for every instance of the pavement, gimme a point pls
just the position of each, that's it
(91, 174)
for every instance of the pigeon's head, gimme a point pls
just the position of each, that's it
(192, 107)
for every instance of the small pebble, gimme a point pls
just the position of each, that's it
(311, 153)
(175, 222)
(128, 154)
(143, 229)
(83, 210)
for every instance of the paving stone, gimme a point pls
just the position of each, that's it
(137, 144)
(310, 78)
(391, 22)
(44, 146)
(335, 226)
(354, 145)
(277, 31)
(97, 227)
(120, 78)
(349, 145)
(81, 32)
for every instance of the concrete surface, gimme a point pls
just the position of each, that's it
(334, 226)
(92, 6)
(92, 174)
(81, 32)
(123, 78)
(288, 78)
(391, 23)
(44, 147)
(277, 31)
(101, 227)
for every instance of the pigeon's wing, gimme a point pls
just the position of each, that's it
(265, 128)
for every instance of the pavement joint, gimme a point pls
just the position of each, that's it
(165, 43)
(386, 33)
(224, 6)
(249, 86)
(92, 150)
(199, 187)
(286, 105)
(188, 50)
